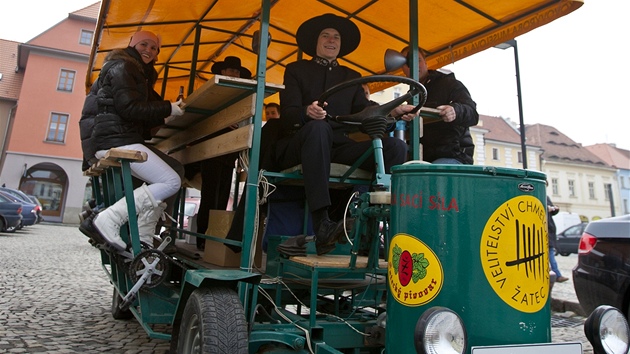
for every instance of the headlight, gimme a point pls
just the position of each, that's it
(607, 330)
(440, 331)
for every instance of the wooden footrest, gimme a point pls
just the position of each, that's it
(333, 261)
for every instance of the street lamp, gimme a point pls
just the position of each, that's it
(505, 45)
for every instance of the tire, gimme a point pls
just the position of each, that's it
(2, 226)
(117, 313)
(213, 323)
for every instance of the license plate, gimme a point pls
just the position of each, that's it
(548, 348)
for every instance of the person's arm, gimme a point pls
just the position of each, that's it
(465, 108)
(551, 208)
(293, 114)
(132, 104)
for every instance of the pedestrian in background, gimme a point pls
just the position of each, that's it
(551, 228)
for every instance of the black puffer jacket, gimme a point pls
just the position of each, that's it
(449, 140)
(127, 107)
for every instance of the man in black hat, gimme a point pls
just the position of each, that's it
(231, 66)
(312, 140)
(217, 172)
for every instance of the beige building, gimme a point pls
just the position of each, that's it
(498, 143)
(579, 181)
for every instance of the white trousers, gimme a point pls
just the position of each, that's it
(162, 180)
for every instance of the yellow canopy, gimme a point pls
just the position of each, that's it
(448, 30)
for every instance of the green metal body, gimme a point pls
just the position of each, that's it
(472, 239)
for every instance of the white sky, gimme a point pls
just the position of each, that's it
(573, 71)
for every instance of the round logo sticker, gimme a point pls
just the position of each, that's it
(514, 256)
(414, 272)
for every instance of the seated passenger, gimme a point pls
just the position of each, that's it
(308, 138)
(127, 108)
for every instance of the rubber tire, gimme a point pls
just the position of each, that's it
(117, 313)
(213, 323)
(2, 226)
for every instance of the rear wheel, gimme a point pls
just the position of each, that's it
(2, 225)
(213, 322)
(117, 312)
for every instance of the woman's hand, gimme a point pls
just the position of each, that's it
(176, 110)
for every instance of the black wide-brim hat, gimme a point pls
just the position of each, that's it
(231, 62)
(308, 33)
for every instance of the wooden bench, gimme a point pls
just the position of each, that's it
(220, 103)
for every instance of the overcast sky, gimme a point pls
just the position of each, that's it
(573, 71)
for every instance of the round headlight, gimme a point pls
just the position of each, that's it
(439, 331)
(607, 330)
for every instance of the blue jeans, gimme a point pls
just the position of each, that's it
(553, 263)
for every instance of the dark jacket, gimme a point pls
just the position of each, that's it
(127, 107)
(306, 80)
(551, 225)
(449, 140)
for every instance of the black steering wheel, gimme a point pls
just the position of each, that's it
(375, 119)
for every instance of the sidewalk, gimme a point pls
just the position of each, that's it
(563, 296)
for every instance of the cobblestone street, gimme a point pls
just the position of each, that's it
(55, 298)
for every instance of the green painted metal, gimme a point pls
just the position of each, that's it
(469, 218)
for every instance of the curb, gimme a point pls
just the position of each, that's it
(558, 305)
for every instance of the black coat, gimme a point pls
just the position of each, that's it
(449, 140)
(313, 77)
(127, 107)
(551, 225)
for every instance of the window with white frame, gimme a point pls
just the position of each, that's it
(57, 128)
(495, 154)
(591, 190)
(554, 186)
(86, 37)
(519, 155)
(571, 188)
(66, 80)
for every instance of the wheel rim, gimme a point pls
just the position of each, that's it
(192, 344)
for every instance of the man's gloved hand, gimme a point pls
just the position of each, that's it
(176, 110)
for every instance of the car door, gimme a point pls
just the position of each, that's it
(568, 240)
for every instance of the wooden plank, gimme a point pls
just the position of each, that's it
(333, 261)
(429, 115)
(213, 94)
(238, 112)
(114, 154)
(236, 140)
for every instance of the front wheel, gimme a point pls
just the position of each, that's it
(213, 323)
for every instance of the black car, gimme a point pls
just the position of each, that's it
(602, 274)
(567, 241)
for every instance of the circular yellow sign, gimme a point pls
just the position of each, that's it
(414, 272)
(514, 253)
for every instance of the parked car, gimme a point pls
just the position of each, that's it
(602, 273)
(568, 240)
(10, 214)
(30, 212)
(38, 203)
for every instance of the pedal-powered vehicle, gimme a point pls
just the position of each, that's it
(440, 259)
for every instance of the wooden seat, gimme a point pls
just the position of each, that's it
(112, 159)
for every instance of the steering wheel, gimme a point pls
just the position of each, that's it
(375, 119)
